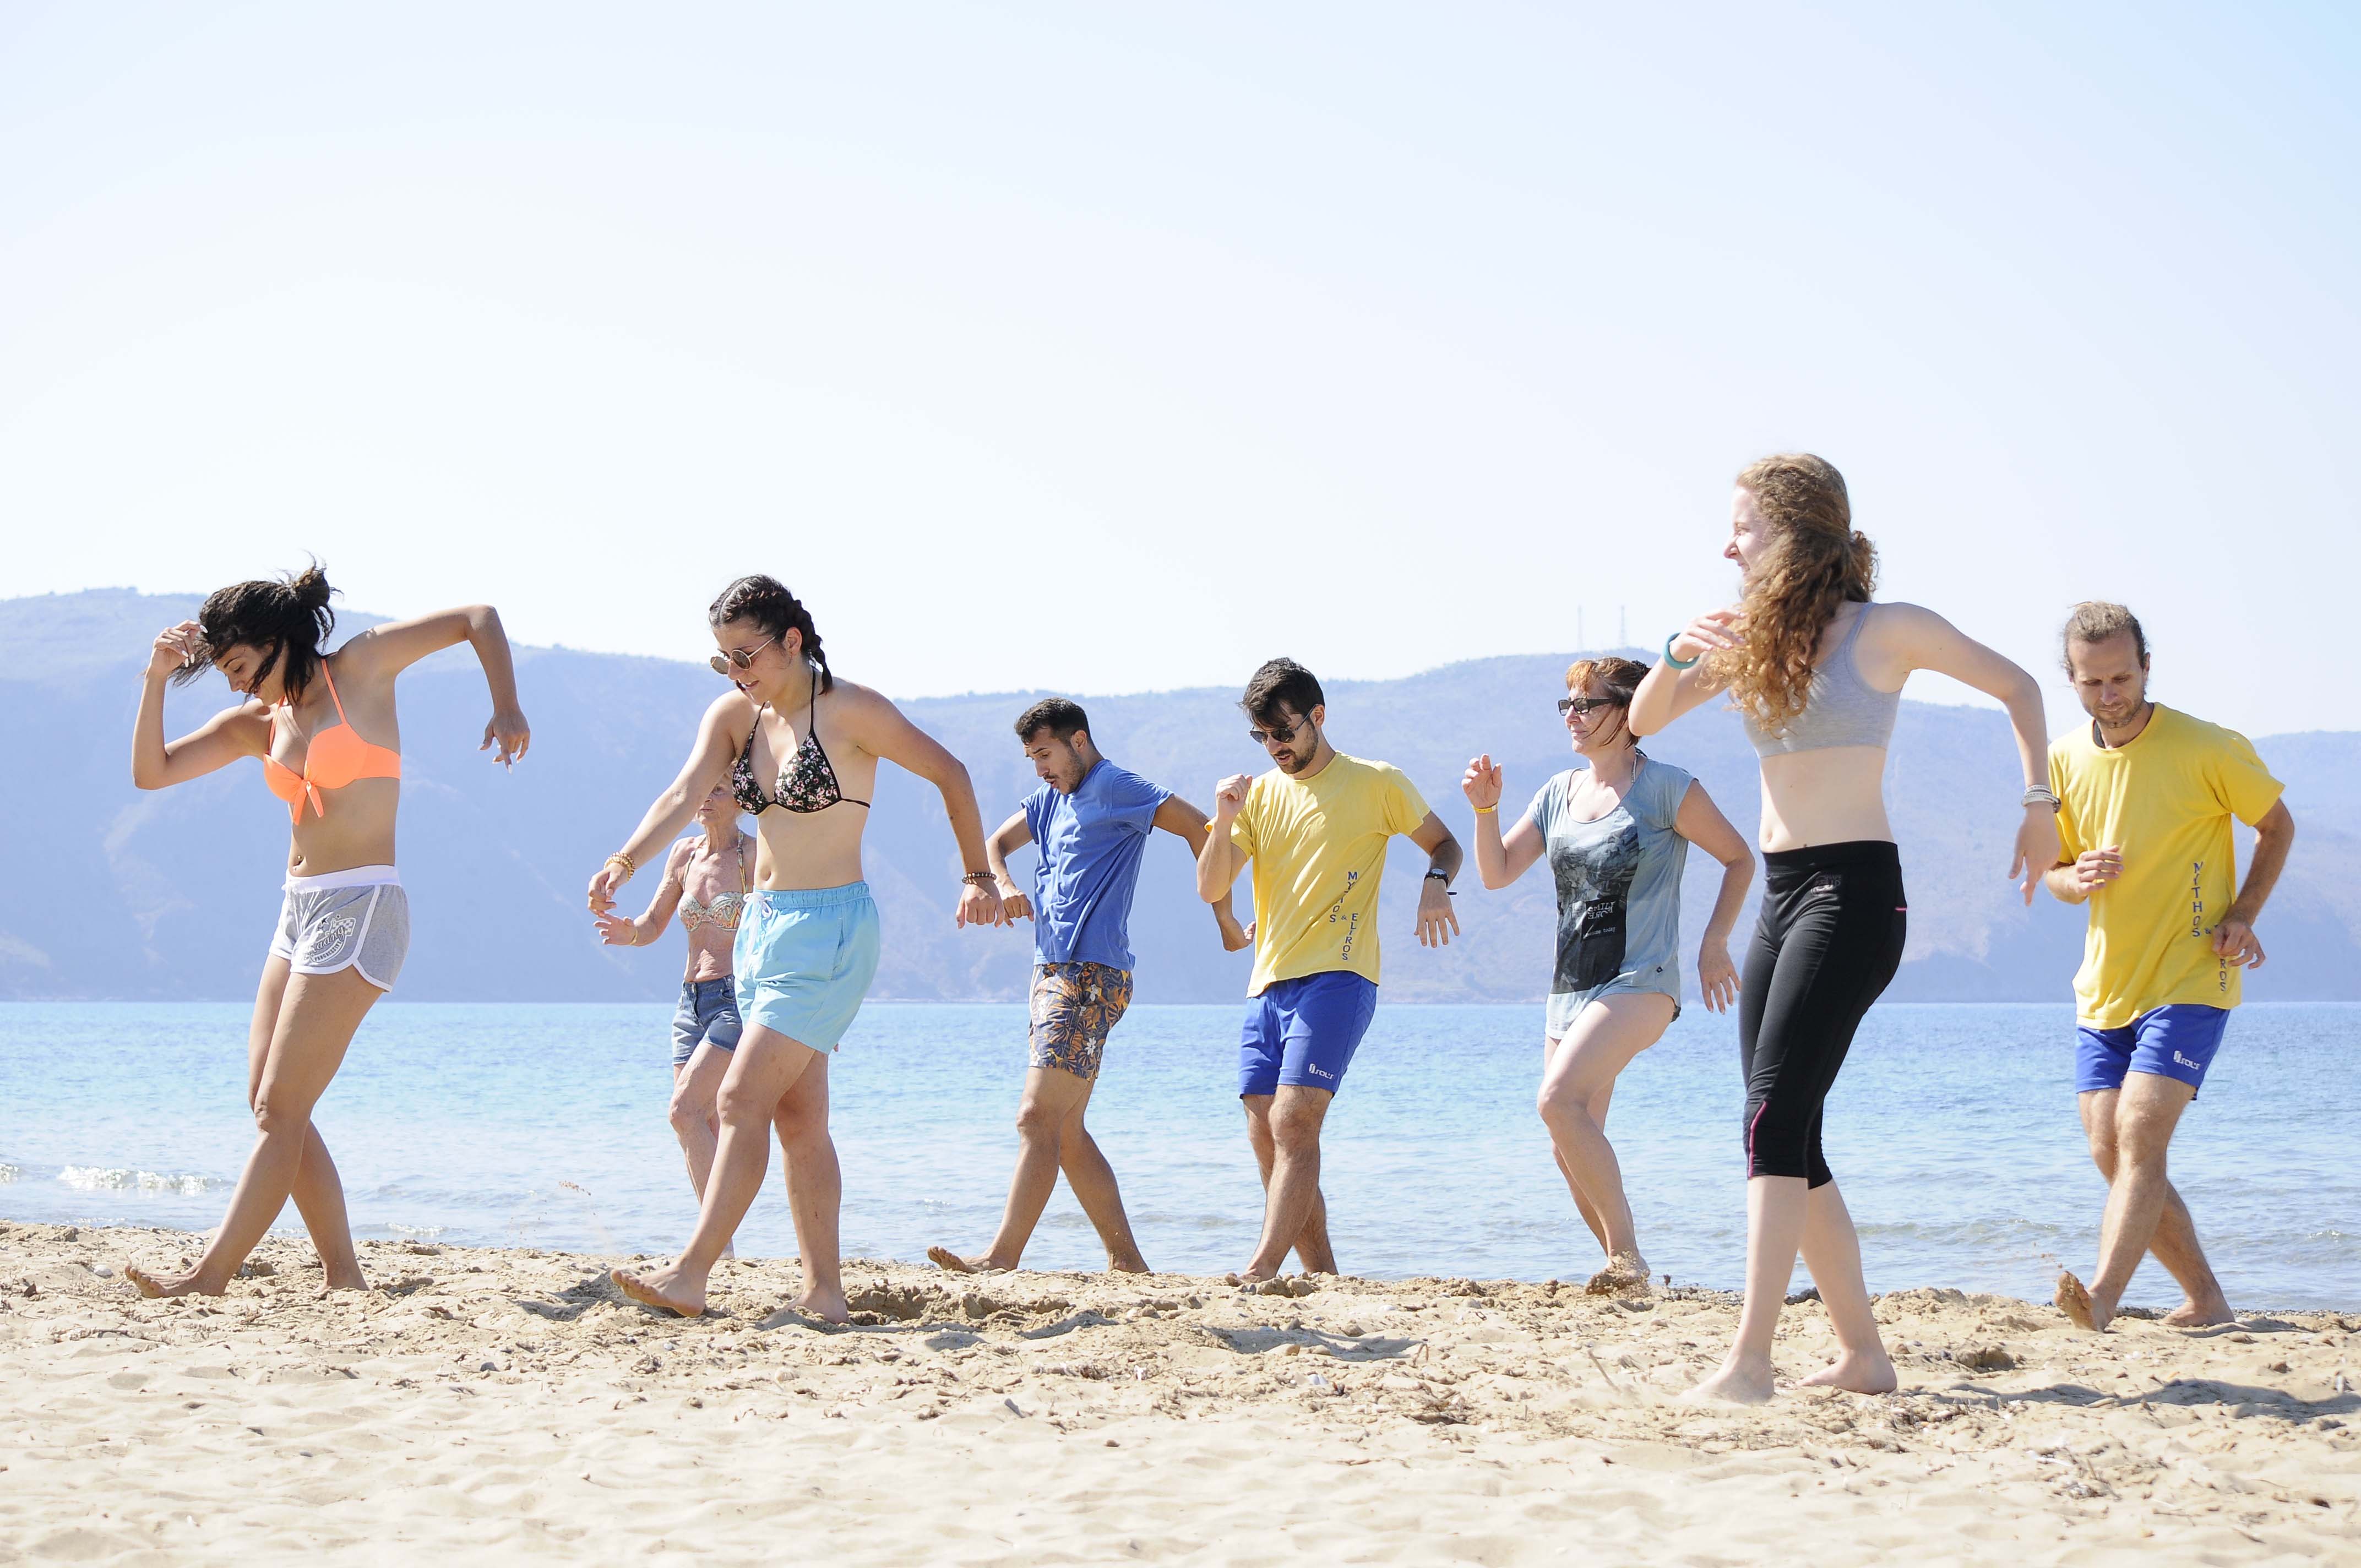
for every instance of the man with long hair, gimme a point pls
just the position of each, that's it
(2145, 799)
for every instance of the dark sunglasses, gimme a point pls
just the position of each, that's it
(1280, 732)
(741, 657)
(1585, 705)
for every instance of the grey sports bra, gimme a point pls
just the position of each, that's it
(1839, 710)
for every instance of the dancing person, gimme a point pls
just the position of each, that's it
(1617, 832)
(1091, 821)
(806, 943)
(707, 879)
(344, 924)
(2145, 795)
(1816, 670)
(1316, 828)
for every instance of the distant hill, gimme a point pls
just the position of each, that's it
(107, 893)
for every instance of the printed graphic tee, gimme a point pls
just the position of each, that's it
(1319, 849)
(1619, 882)
(1091, 843)
(2166, 799)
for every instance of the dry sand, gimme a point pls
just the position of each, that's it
(496, 1404)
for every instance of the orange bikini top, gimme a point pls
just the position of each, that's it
(335, 757)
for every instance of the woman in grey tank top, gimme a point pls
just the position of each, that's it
(1617, 833)
(1816, 670)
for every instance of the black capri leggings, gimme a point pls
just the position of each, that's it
(1828, 943)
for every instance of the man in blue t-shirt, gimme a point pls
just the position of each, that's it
(1090, 819)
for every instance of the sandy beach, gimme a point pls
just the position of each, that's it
(490, 1404)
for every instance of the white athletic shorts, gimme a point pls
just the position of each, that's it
(357, 919)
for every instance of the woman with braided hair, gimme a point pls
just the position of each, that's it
(1816, 671)
(799, 749)
(323, 726)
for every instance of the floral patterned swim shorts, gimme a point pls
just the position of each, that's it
(1075, 1008)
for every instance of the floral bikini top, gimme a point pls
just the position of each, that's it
(806, 779)
(723, 912)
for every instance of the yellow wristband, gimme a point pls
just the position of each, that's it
(1486, 810)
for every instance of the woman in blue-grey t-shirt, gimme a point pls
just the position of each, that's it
(1617, 833)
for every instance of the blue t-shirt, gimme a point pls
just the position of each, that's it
(1091, 843)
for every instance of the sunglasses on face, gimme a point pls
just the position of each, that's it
(1587, 705)
(741, 657)
(1282, 733)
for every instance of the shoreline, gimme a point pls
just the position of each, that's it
(491, 1401)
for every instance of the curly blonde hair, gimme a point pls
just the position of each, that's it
(1816, 560)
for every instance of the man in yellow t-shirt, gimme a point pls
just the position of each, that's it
(2145, 799)
(1316, 828)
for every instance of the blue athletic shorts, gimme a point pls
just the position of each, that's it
(2177, 1041)
(805, 959)
(1304, 1031)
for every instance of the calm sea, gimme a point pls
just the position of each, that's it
(1953, 1130)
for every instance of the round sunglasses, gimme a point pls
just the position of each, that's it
(741, 657)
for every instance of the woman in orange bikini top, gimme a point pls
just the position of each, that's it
(343, 923)
(336, 757)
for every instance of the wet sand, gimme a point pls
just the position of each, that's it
(491, 1404)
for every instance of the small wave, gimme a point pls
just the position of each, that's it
(9, 1173)
(117, 1178)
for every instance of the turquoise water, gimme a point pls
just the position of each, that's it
(1952, 1130)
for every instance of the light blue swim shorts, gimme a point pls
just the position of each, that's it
(805, 958)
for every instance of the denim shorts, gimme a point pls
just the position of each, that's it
(707, 1014)
(1304, 1031)
(805, 958)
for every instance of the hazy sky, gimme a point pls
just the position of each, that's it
(1107, 347)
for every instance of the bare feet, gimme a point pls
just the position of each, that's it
(1739, 1382)
(828, 1305)
(2193, 1315)
(1626, 1275)
(663, 1288)
(1135, 1264)
(353, 1279)
(944, 1258)
(2076, 1303)
(156, 1288)
(1856, 1374)
(1251, 1275)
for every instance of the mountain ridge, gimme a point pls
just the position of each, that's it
(106, 892)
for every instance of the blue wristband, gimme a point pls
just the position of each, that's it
(1678, 664)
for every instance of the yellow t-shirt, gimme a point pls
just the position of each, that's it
(2166, 800)
(1319, 849)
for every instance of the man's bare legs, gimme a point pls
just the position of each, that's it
(302, 1026)
(772, 1080)
(1784, 1217)
(1284, 1129)
(1577, 1081)
(1050, 1138)
(2130, 1130)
